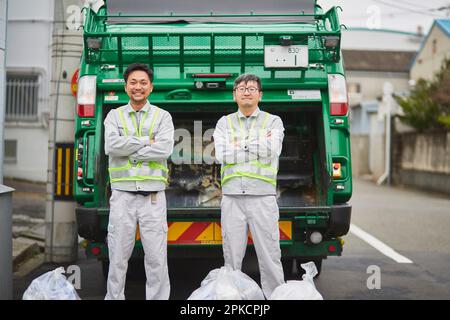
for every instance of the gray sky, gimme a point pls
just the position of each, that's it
(403, 15)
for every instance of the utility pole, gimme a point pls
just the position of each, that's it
(61, 231)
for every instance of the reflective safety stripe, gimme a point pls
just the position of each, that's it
(141, 178)
(126, 167)
(124, 124)
(253, 169)
(152, 170)
(248, 175)
(156, 165)
(150, 131)
(133, 118)
(255, 163)
(231, 127)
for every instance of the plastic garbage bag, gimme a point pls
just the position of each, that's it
(247, 287)
(299, 290)
(52, 285)
(227, 284)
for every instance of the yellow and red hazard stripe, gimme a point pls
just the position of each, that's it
(209, 232)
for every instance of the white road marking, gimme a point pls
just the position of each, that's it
(377, 244)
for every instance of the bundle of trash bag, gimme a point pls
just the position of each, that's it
(299, 290)
(227, 284)
(52, 285)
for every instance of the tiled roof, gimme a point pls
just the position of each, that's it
(383, 61)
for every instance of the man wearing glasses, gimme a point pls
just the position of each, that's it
(248, 144)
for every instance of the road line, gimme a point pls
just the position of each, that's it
(377, 244)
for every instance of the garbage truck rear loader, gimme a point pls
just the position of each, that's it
(196, 53)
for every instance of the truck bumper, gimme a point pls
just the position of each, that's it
(340, 216)
(92, 226)
(88, 224)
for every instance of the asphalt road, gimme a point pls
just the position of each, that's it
(390, 226)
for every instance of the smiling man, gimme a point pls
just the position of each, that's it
(248, 144)
(138, 140)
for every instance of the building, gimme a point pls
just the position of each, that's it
(28, 73)
(435, 49)
(374, 59)
(421, 159)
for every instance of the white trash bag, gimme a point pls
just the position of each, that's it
(227, 284)
(52, 285)
(299, 290)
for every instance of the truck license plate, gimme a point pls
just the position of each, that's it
(286, 56)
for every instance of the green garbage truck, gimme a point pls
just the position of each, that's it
(197, 48)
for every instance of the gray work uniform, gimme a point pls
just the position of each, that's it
(138, 195)
(249, 202)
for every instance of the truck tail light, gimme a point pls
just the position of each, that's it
(337, 89)
(96, 251)
(86, 110)
(87, 90)
(337, 171)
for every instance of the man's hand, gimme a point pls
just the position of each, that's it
(152, 141)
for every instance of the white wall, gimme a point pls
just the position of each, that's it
(372, 82)
(2, 77)
(29, 44)
(32, 153)
(372, 39)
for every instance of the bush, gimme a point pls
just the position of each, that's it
(428, 106)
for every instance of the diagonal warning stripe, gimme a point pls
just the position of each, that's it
(285, 230)
(176, 229)
(191, 233)
(207, 234)
(217, 232)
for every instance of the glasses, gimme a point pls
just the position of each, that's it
(249, 89)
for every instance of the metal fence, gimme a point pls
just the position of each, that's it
(22, 97)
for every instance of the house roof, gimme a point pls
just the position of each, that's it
(381, 61)
(444, 24)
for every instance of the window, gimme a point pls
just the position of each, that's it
(434, 46)
(354, 87)
(10, 151)
(22, 97)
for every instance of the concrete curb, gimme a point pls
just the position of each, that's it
(23, 250)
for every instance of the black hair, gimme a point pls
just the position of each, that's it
(246, 78)
(138, 67)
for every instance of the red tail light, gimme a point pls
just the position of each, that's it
(86, 110)
(338, 109)
(337, 89)
(87, 90)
